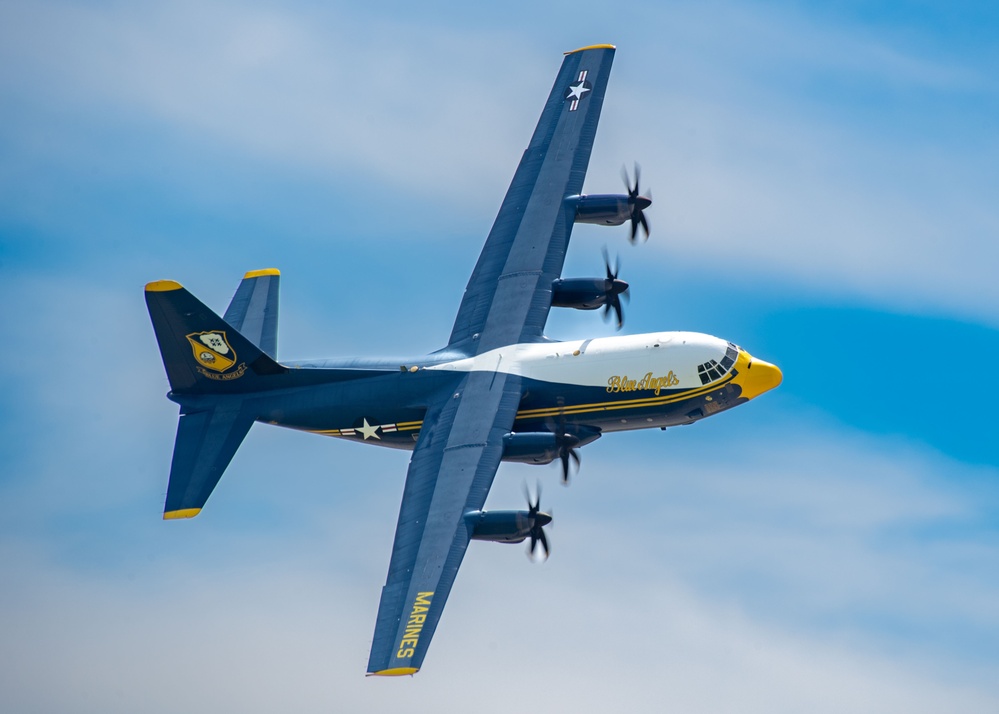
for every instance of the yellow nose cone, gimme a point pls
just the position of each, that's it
(756, 376)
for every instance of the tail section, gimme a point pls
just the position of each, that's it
(214, 363)
(254, 309)
(204, 354)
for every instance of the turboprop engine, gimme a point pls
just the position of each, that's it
(615, 209)
(512, 526)
(591, 293)
(543, 447)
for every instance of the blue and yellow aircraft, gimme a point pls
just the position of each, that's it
(500, 390)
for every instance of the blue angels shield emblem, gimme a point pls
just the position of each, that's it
(212, 350)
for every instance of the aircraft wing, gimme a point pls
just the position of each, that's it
(507, 301)
(509, 294)
(452, 469)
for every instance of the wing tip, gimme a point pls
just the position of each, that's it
(591, 47)
(261, 273)
(181, 513)
(396, 672)
(162, 286)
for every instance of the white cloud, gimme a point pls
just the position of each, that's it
(756, 169)
(616, 619)
(723, 568)
(813, 572)
(726, 567)
(316, 89)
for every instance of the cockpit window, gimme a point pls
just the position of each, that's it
(711, 370)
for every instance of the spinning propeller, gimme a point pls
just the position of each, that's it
(638, 204)
(539, 520)
(615, 289)
(567, 450)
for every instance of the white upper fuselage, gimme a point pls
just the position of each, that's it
(672, 357)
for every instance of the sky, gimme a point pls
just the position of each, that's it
(824, 179)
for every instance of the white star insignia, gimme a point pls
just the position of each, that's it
(369, 431)
(576, 91)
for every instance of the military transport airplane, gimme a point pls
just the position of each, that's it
(499, 391)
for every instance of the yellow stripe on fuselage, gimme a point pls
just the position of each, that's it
(751, 384)
(612, 405)
(621, 403)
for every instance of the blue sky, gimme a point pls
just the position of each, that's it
(824, 177)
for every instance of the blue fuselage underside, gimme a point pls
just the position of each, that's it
(337, 402)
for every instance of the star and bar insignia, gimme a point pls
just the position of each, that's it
(577, 91)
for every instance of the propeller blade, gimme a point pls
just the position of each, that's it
(538, 522)
(638, 203)
(619, 312)
(566, 447)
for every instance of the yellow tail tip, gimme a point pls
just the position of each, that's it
(397, 672)
(182, 513)
(162, 286)
(591, 47)
(261, 273)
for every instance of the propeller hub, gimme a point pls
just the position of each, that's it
(542, 519)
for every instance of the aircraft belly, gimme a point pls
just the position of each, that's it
(386, 418)
(385, 410)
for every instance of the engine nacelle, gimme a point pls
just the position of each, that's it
(543, 447)
(585, 293)
(603, 209)
(501, 526)
(531, 447)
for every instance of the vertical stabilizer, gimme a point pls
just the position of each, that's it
(254, 309)
(202, 353)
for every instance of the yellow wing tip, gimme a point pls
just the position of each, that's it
(397, 672)
(262, 273)
(162, 286)
(182, 513)
(591, 47)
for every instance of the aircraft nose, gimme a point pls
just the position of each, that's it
(758, 376)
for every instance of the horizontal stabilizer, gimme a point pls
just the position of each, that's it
(254, 309)
(202, 353)
(206, 442)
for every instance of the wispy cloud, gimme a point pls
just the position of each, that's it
(757, 572)
(793, 146)
(766, 561)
